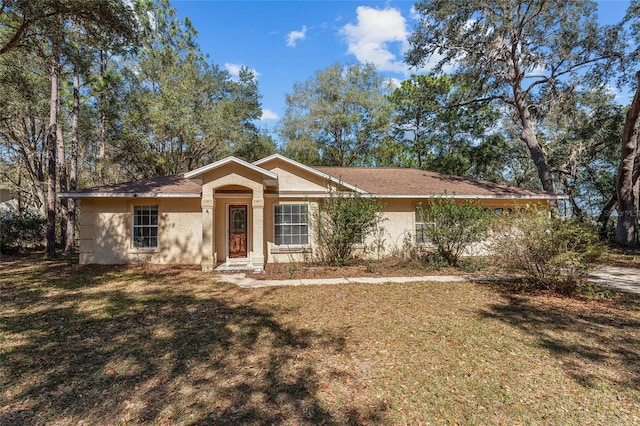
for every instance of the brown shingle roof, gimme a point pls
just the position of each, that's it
(399, 181)
(171, 185)
(375, 181)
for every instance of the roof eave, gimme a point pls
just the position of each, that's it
(125, 195)
(481, 196)
(422, 196)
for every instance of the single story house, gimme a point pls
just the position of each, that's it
(235, 214)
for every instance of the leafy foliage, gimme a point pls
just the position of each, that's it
(182, 112)
(453, 227)
(341, 222)
(438, 131)
(342, 112)
(552, 253)
(522, 54)
(21, 231)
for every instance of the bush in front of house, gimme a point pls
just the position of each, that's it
(451, 228)
(21, 231)
(550, 252)
(342, 223)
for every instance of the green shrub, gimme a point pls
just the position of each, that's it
(473, 264)
(552, 253)
(451, 227)
(341, 223)
(20, 231)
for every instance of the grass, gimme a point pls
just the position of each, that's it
(626, 258)
(172, 345)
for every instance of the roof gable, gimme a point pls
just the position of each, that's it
(197, 173)
(312, 170)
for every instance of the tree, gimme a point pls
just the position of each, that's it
(25, 21)
(181, 112)
(521, 53)
(41, 28)
(24, 102)
(441, 133)
(255, 147)
(416, 104)
(627, 179)
(583, 139)
(342, 109)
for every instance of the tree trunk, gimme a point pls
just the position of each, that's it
(62, 181)
(603, 219)
(103, 122)
(626, 229)
(54, 70)
(530, 138)
(73, 170)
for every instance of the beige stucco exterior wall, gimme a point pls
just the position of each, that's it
(289, 181)
(106, 228)
(294, 179)
(399, 222)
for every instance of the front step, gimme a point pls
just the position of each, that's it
(238, 267)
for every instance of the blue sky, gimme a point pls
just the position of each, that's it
(285, 42)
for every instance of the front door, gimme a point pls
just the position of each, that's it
(237, 231)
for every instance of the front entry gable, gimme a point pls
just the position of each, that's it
(232, 171)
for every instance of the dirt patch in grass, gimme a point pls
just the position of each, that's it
(172, 345)
(386, 267)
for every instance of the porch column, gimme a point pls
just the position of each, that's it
(257, 259)
(208, 204)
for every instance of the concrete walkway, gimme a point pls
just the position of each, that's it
(623, 279)
(242, 280)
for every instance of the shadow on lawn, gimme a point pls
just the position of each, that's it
(598, 342)
(99, 352)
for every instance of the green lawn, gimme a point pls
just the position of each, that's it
(168, 345)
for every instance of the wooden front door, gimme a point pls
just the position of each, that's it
(237, 231)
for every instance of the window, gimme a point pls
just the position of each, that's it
(421, 236)
(291, 224)
(145, 227)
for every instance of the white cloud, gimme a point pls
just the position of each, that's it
(267, 114)
(393, 83)
(415, 15)
(234, 69)
(371, 37)
(294, 36)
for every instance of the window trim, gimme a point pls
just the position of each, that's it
(418, 221)
(132, 246)
(280, 247)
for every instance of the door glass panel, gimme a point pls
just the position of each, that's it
(238, 221)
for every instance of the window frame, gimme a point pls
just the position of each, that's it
(276, 236)
(150, 225)
(419, 223)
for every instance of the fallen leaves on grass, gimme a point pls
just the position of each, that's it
(173, 345)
